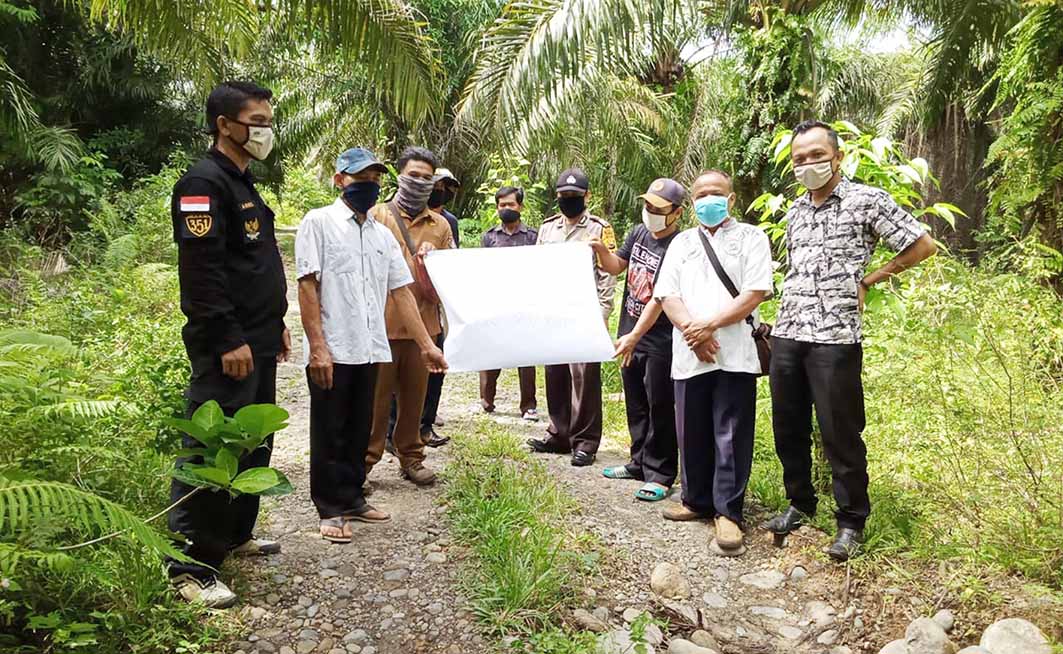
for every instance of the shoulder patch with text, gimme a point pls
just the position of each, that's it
(198, 224)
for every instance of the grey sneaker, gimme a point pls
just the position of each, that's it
(257, 547)
(211, 593)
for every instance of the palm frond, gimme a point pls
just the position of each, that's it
(78, 409)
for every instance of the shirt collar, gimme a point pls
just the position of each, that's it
(341, 211)
(725, 226)
(839, 192)
(523, 229)
(229, 166)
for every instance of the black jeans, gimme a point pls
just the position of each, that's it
(649, 400)
(431, 398)
(340, 422)
(827, 377)
(212, 521)
(716, 414)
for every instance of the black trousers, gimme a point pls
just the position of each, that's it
(431, 398)
(716, 416)
(340, 422)
(827, 377)
(574, 400)
(212, 521)
(649, 400)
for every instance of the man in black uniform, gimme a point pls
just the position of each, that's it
(233, 292)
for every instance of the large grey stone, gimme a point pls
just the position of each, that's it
(702, 638)
(1015, 636)
(764, 580)
(667, 581)
(680, 646)
(587, 620)
(715, 600)
(945, 618)
(924, 636)
(974, 649)
(619, 642)
(894, 647)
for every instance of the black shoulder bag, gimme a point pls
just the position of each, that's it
(761, 333)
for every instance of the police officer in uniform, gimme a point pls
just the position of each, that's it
(233, 292)
(574, 390)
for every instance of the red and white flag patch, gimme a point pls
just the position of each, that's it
(198, 203)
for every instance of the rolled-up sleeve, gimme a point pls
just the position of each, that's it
(756, 269)
(668, 280)
(308, 244)
(898, 228)
(398, 271)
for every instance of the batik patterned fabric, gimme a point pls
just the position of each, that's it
(829, 249)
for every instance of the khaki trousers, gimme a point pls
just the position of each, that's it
(489, 385)
(406, 378)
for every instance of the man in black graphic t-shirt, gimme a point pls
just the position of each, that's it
(645, 343)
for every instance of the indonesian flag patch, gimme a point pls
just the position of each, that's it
(197, 203)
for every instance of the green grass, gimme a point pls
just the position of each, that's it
(529, 559)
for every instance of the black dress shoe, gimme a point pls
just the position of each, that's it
(846, 544)
(581, 459)
(547, 446)
(432, 439)
(785, 522)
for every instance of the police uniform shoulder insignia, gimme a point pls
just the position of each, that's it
(551, 218)
(608, 236)
(198, 224)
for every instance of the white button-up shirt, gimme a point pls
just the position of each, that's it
(745, 254)
(356, 265)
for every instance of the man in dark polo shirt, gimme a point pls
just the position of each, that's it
(233, 292)
(645, 343)
(509, 202)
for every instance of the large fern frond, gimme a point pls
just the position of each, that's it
(24, 503)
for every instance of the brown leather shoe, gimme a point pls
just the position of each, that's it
(419, 475)
(682, 513)
(728, 533)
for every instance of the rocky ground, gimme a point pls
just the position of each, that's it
(396, 587)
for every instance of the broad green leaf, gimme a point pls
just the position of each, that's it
(910, 173)
(921, 165)
(193, 430)
(782, 147)
(847, 126)
(210, 474)
(283, 487)
(191, 478)
(192, 452)
(227, 461)
(256, 480)
(209, 416)
(261, 419)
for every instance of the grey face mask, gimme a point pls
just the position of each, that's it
(413, 194)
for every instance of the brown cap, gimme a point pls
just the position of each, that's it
(663, 192)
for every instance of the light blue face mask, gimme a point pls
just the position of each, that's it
(711, 210)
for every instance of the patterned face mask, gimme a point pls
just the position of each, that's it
(413, 194)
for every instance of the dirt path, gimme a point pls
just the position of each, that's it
(396, 589)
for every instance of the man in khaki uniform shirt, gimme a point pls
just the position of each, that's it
(406, 376)
(574, 390)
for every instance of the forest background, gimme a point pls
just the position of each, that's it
(954, 106)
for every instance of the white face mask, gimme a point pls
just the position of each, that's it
(814, 176)
(259, 141)
(654, 222)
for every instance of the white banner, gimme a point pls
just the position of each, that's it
(520, 306)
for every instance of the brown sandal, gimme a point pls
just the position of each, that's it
(335, 523)
(362, 515)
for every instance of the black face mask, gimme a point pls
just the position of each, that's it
(439, 197)
(509, 215)
(361, 196)
(572, 206)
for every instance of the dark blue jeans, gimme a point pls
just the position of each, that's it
(715, 418)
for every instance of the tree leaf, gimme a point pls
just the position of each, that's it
(209, 416)
(256, 480)
(227, 461)
(193, 430)
(261, 419)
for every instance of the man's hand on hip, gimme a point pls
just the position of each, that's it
(238, 363)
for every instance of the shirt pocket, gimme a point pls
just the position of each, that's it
(341, 258)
